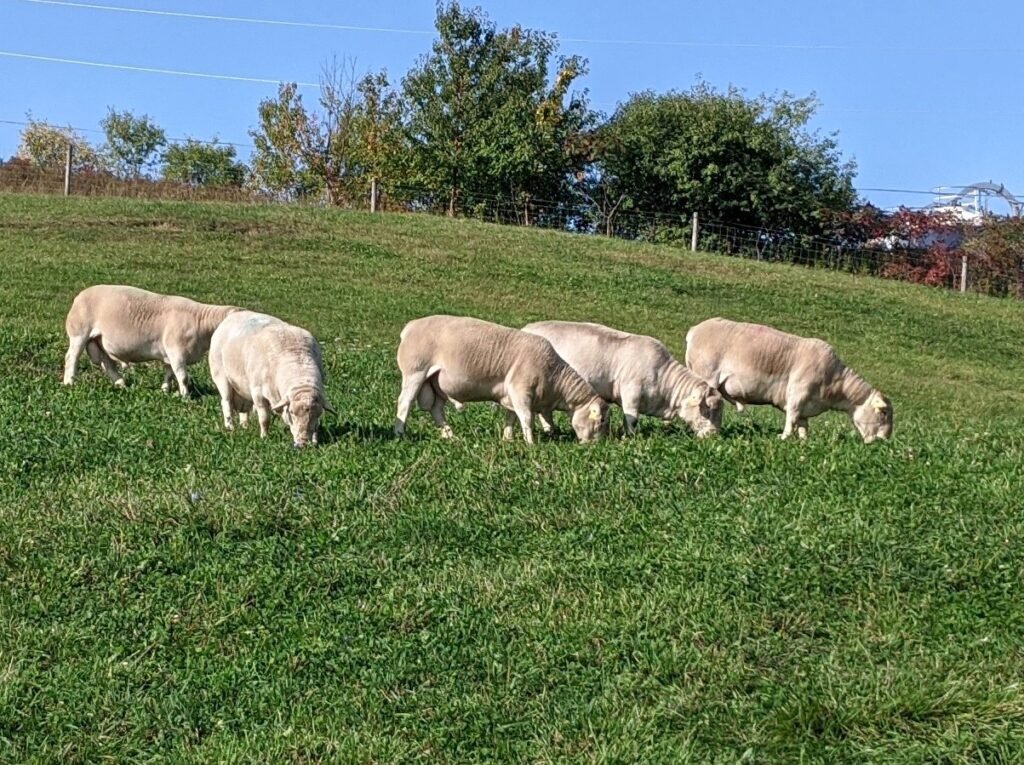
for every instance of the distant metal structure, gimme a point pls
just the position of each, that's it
(971, 202)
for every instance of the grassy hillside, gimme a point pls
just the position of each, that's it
(170, 592)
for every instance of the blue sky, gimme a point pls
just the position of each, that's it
(922, 94)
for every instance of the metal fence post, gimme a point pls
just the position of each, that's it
(963, 273)
(67, 169)
(694, 234)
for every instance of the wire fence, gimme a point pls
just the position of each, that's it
(964, 257)
(24, 178)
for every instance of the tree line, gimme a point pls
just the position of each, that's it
(490, 123)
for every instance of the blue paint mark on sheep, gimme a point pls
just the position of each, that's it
(254, 324)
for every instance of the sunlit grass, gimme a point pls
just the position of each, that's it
(171, 592)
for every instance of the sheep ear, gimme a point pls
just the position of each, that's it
(279, 406)
(595, 412)
(694, 399)
(878, 403)
(329, 408)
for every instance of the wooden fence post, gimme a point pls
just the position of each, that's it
(67, 169)
(694, 234)
(963, 273)
(373, 194)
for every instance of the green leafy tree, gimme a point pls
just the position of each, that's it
(46, 145)
(280, 162)
(133, 143)
(726, 156)
(203, 164)
(356, 135)
(483, 121)
(381, 146)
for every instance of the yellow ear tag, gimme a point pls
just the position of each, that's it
(878, 403)
(595, 412)
(694, 399)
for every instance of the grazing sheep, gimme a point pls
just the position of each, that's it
(755, 364)
(260, 362)
(460, 359)
(636, 372)
(118, 325)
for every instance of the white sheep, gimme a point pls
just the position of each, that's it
(118, 325)
(803, 377)
(461, 359)
(636, 372)
(261, 362)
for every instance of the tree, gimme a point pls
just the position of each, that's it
(133, 142)
(203, 164)
(378, 124)
(728, 157)
(46, 146)
(995, 252)
(279, 163)
(355, 136)
(483, 121)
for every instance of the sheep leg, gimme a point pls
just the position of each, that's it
(168, 377)
(523, 407)
(263, 414)
(801, 428)
(631, 410)
(526, 421)
(437, 412)
(243, 408)
(547, 422)
(227, 395)
(508, 432)
(792, 420)
(411, 385)
(180, 371)
(102, 358)
(226, 412)
(76, 345)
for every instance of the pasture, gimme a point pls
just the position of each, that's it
(170, 592)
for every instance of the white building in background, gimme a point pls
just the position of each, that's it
(971, 203)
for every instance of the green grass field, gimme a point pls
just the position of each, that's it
(170, 592)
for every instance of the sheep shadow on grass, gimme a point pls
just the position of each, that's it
(332, 430)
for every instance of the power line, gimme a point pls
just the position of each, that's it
(900, 191)
(825, 47)
(237, 19)
(267, 81)
(151, 70)
(318, 25)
